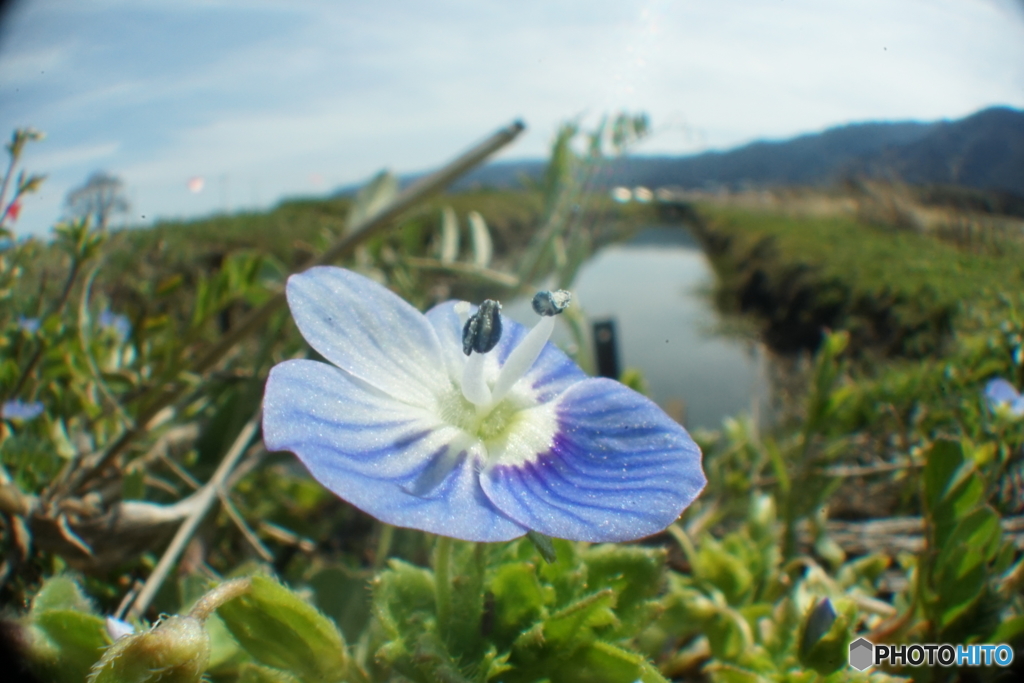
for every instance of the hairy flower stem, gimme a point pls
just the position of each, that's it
(223, 593)
(387, 535)
(443, 584)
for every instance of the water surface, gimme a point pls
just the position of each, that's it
(655, 288)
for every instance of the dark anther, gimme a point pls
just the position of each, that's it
(483, 330)
(551, 303)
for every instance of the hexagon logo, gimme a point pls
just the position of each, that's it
(862, 652)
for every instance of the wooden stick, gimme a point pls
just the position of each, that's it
(166, 394)
(206, 496)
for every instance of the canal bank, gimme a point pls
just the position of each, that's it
(900, 294)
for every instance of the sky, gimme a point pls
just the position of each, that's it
(203, 106)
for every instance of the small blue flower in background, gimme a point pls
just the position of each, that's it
(18, 410)
(1002, 395)
(483, 447)
(30, 325)
(117, 322)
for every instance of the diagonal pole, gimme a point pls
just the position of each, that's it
(160, 397)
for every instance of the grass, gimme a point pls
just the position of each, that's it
(872, 258)
(899, 291)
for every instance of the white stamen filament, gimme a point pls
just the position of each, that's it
(474, 386)
(522, 357)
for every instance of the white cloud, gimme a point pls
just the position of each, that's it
(262, 94)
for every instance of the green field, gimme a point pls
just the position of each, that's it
(885, 502)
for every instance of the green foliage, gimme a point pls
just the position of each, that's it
(280, 630)
(516, 617)
(756, 583)
(895, 291)
(62, 636)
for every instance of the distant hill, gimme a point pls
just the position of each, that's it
(814, 159)
(983, 151)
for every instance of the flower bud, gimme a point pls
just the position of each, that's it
(826, 637)
(176, 650)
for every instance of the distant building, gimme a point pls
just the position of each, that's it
(621, 194)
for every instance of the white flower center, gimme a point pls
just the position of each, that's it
(509, 425)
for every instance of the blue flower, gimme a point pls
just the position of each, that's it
(29, 325)
(116, 322)
(1002, 396)
(18, 410)
(485, 447)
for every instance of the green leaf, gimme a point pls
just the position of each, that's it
(1009, 631)
(951, 488)
(254, 673)
(518, 598)
(224, 649)
(942, 461)
(961, 567)
(602, 662)
(728, 634)
(64, 644)
(61, 592)
(633, 572)
(727, 673)
(725, 571)
(567, 628)
(280, 629)
(342, 594)
(567, 575)
(400, 594)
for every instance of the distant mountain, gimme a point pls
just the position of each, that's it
(983, 151)
(814, 159)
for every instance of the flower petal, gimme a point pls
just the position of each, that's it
(618, 468)
(368, 331)
(378, 453)
(998, 391)
(19, 410)
(448, 328)
(551, 374)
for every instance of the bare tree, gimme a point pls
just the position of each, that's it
(99, 198)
